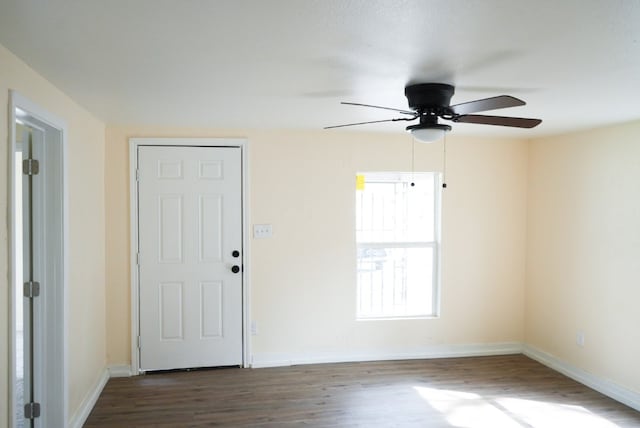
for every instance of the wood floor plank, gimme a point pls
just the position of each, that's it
(507, 391)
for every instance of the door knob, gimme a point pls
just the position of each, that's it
(235, 253)
(235, 268)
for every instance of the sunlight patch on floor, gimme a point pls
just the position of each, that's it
(543, 414)
(469, 410)
(466, 410)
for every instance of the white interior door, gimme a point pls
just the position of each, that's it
(190, 261)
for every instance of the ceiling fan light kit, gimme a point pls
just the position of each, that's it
(428, 133)
(429, 102)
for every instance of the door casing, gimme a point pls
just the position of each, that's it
(53, 378)
(134, 143)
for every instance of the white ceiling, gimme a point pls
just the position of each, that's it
(288, 63)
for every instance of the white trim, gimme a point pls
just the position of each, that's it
(35, 110)
(65, 274)
(84, 410)
(133, 242)
(405, 177)
(246, 257)
(604, 386)
(439, 252)
(428, 352)
(12, 378)
(16, 100)
(134, 143)
(119, 370)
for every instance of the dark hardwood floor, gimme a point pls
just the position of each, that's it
(493, 392)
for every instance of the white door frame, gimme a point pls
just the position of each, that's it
(134, 143)
(55, 329)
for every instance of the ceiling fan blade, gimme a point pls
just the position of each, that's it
(412, 113)
(373, 121)
(516, 122)
(493, 103)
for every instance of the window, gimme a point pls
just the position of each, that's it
(397, 228)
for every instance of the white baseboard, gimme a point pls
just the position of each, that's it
(80, 416)
(119, 370)
(262, 360)
(604, 386)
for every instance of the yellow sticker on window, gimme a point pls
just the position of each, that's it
(359, 182)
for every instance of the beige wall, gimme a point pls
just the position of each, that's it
(86, 318)
(303, 279)
(584, 250)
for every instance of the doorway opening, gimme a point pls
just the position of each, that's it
(37, 308)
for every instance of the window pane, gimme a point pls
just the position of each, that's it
(389, 209)
(395, 282)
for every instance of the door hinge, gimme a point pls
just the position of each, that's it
(31, 289)
(30, 167)
(32, 410)
(139, 342)
(137, 175)
(138, 258)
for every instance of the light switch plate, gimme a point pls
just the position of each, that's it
(261, 231)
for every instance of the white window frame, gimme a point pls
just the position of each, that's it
(435, 245)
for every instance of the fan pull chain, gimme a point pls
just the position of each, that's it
(413, 158)
(444, 162)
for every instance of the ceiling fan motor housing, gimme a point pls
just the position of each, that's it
(426, 96)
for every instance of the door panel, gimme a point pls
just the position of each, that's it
(211, 308)
(210, 228)
(170, 231)
(171, 311)
(189, 223)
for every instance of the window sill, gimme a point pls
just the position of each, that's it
(392, 318)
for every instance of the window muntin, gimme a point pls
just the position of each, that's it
(396, 236)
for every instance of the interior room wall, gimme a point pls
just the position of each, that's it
(303, 278)
(559, 214)
(583, 247)
(86, 286)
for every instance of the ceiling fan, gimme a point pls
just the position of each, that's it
(430, 101)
